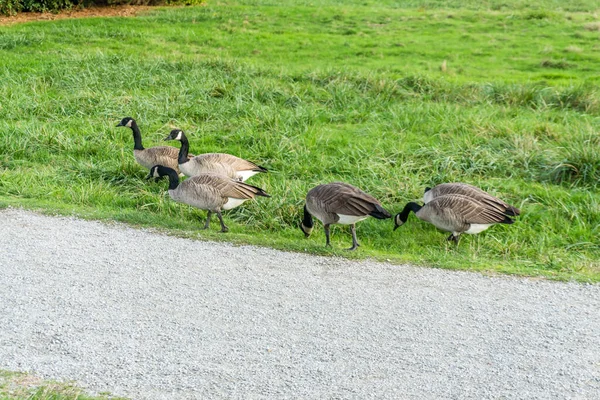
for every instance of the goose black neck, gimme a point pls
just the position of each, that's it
(173, 179)
(137, 137)
(307, 221)
(184, 150)
(412, 206)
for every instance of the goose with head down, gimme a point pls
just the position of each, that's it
(339, 203)
(470, 191)
(454, 213)
(211, 192)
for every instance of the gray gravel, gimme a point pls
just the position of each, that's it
(150, 316)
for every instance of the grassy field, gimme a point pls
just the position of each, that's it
(498, 94)
(20, 386)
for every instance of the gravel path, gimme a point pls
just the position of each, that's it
(151, 316)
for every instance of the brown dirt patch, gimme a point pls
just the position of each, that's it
(108, 11)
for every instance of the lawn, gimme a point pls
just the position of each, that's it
(391, 99)
(21, 386)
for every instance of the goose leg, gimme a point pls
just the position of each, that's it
(207, 224)
(224, 227)
(354, 240)
(453, 238)
(326, 227)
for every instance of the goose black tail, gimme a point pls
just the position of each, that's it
(380, 212)
(507, 221)
(262, 193)
(255, 189)
(260, 169)
(513, 211)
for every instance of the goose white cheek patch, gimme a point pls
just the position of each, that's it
(178, 136)
(129, 124)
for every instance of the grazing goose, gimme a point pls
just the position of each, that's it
(226, 164)
(339, 203)
(210, 192)
(159, 155)
(472, 192)
(455, 213)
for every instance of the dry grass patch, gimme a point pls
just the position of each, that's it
(573, 49)
(88, 12)
(592, 26)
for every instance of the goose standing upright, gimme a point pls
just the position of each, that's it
(210, 192)
(454, 213)
(470, 191)
(226, 164)
(148, 157)
(339, 203)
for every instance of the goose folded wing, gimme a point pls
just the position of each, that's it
(480, 213)
(163, 151)
(239, 164)
(349, 202)
(494, 203)
(225, 186)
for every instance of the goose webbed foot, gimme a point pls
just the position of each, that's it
(354, 247)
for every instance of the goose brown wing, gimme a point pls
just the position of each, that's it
(238, 164)
(464, 209)
(457, 188)
(160, 155)
(163, 151)
(227, 187)
(342, 198)
(475, 193)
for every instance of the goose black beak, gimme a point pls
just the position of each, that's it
(119, 124)
(167, 138)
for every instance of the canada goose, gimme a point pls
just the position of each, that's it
(210, 192)
(455, 213)
(339, 203)
(472, 192)
(226, 164)
(159, 155)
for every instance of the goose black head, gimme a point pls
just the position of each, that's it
(402, 216)
(153, 173)
(307, 223)
(176, 134)
(127, 121)
(306, 230)
(398, 222)
(158, 171)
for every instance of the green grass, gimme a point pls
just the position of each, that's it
(21, 386)
(351, 92)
